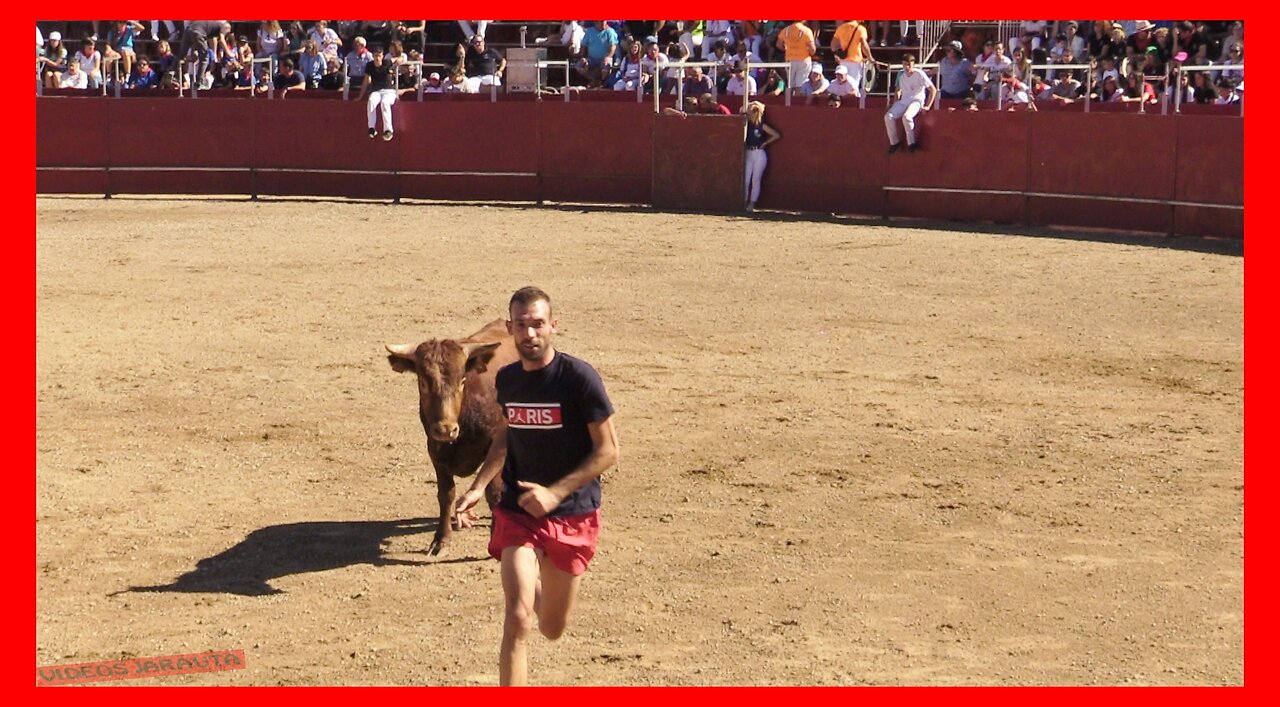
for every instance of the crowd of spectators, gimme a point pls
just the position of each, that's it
(1126, 60)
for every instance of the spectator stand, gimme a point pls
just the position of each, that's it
(1177, 97)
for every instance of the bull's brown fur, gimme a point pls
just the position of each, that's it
(441, 365)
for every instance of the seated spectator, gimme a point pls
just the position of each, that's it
(90, 61)
(244, 76)
(333, 78)
(714, 32)
(955, 73)
(595, 62)
(569, 35)
(775, 84)
(1235, 56)
(723, 59)
(1235, 37)
(1226, 92)
(143, 75)
(739, 82)
(1187, 38)
(357, 59)
(816, 84)
(1180, 83)
(968, 104)
(841, 86)
(1202, 88)
(378, 32)
(990, 67)
(433, 84)
(696, 83)
(73, 77)
(833, 100)
(628, 75)
(1136, 90)
(54, 60)
(1021, 65)
(1066, 89)
(1107, 90)
(288, 79)
(312, 63)
(1117, 47)
(294, 37)
(705, 105)
(483, 65)
(166, 64)
(457, 82)
(677, 54)
(1040, 90)
(1012, 90)
(270, 36)
(324, 36)
(653, 63)
(1142, 37)
(120, 46)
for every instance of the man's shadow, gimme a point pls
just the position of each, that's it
(247, 567)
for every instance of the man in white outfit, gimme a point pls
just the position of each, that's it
(380, 83)
(915, 92)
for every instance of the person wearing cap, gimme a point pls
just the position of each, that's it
(54, 60)
(816, 84)
(482, 64)
(759, 136)
(841, 85)
(799, 49)
(1142, 37)
(955, 73)
(433, 84)
(379, 82)
(595, 60)
(740, 84)
(852, 49)
(915, 92)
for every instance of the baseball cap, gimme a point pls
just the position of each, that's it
(434, 75)
(816, 68)
(957, 46)
(842, 69)
(55, 35)
(1180, 56)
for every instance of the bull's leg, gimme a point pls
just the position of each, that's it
(445, 492)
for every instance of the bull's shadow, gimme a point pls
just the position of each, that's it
(247, 567)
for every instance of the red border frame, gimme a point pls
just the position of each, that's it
(20, 282)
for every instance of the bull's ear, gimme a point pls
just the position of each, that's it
(479, 355)
(400, 356)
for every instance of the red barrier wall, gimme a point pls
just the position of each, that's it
(1165, 174)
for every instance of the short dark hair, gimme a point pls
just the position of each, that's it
(527, 295)
(287, 63)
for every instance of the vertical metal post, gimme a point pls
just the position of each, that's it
(566, 80)
(1088, 93)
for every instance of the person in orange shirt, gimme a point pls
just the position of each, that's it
(799, 47)
(853, 51)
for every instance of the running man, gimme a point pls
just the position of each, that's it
(556, 439)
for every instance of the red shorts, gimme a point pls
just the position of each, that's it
(568, 541)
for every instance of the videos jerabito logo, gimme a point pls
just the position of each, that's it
(133, 668)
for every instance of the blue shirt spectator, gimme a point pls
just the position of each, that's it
(599, 42)
(143, 75)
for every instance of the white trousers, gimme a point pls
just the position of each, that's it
(905, 109)
(469, 32)
(384, 98)
(755, 163)
(799, 73)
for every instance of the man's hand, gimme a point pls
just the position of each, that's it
(537, 500)
(463, 514)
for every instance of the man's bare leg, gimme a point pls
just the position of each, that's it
(555, 595)
(519, 583)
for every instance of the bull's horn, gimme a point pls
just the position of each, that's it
(406, 350)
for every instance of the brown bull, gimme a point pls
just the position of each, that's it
(458, 406)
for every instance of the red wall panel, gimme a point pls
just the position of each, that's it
(586, 151)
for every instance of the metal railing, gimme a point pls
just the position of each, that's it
(934, 31)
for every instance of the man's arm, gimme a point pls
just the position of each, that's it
(491, 467)
(538, 501)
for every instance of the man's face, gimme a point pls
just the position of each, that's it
(533, 329)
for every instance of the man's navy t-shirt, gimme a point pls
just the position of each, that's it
(547, 437)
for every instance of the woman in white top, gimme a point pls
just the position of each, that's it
(269, 36)
(629, 69)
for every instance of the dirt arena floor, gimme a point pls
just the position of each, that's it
(852, 453)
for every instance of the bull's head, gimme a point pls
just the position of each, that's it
(442, 367)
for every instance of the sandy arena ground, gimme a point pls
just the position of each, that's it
(852, 453)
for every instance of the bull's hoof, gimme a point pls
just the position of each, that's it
(437, 546)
